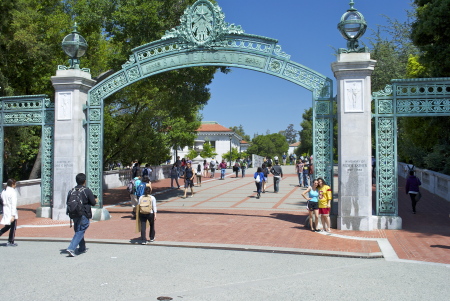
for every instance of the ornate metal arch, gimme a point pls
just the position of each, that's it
(204, 39)
(419, 97)
(29, 110)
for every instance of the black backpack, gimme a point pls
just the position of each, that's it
(75, 207)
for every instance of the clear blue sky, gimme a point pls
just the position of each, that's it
(305, 29)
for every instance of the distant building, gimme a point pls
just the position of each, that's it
(293, 147)
(244, 146)
(221, 138)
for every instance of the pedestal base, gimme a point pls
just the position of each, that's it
(387, 222)
(100, 214)
(44, 212)
(60, 214)
(355, 223)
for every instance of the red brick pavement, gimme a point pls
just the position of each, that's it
(425, 236)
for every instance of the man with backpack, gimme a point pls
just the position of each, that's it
(147, 172)
(79, 202)
(135, 169)
(277, 175)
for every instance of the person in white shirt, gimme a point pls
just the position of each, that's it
(10, 214)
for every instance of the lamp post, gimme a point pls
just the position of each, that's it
(74, 45)
(231, 137)
(352, 27)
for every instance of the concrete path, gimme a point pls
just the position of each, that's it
(38, 271)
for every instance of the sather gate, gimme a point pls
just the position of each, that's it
(204, 39)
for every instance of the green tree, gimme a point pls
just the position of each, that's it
(240, 131)
(143, 120)
(208, 151)
(233, 157)
(306, 135)
(430, 33)
(269, 145)
(290, 134)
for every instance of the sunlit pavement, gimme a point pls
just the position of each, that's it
(225, 214)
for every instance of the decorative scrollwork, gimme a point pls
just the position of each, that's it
(280, 53)
(275, 66)
(202, 25)
(385, 92)
(386, 172)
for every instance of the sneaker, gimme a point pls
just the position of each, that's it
(71, 253)
(152, 240)
(8, 244)
(191, 196)
(84, 251)
(144, 242)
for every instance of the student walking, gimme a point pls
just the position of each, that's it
(277, 172)
(222, 167)
(212, 165)
(243, 167)
(147, 215)
(188, 179)
(259, 178)
(199, 175)
(174, 175)
(81, 222)
(10, 214)
(412, 188)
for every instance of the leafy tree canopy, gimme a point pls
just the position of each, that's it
(141, 121)
(269, 145)
(431, 34)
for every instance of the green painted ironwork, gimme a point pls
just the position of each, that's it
(29, 110)
(422, 97)
(204, 39)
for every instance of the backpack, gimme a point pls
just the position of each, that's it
(75, 207)
(212, 164)
(131, 186)
(145, 205)
(140, 189)
(147, 172)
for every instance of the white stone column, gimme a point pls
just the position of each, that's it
(71, 88)
(353, 71)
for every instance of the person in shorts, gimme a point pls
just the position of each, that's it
(188, 179)
(325, 197)
(313, 204)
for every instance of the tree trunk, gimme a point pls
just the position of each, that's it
(36, 171)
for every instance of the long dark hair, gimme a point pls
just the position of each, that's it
(259, 169)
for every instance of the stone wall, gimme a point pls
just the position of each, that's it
(29, 191)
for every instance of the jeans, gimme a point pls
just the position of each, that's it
(300, 179)
(258, 187)
(80, 226)
(243, 172)
(305, 179)
(176, 180)
(276, 183)
(222, 173)
(213, 172)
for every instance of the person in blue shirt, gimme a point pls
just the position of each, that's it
(258, 174)
(312, 204)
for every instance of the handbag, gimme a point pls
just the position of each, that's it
(258, 179)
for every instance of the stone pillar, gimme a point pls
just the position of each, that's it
(353, 71)
(71, 88)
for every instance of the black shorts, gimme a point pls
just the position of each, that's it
(313, 206)
(188, 183)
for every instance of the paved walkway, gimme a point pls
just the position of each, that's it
(226, 214)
